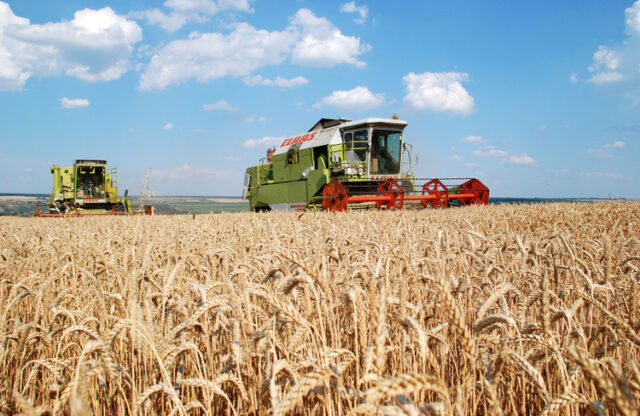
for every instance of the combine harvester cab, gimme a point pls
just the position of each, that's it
(341, 164)
(88, 188)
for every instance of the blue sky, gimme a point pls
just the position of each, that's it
(536, 99)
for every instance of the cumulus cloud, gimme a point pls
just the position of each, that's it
(267, 141)
(438, 91)
(599, 153)
(456, 158)
(308, 40)
(220, 105)
(523, 160)
(351, 7)
(277, 82)
(472, 139)
(357, 99)
(168, 126)
(187, 171)
(95, 46)
(73, 102)
(322, 44)
(598, 174)
(605, 152)
(620, 64)
(489, 151)
(183, 11)
(618, 144)
(208, 56)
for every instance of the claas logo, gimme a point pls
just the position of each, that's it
(299, 139)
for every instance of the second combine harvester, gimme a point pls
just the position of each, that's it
(342, 163)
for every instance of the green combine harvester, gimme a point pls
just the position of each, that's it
(340, 164)
(88, 188)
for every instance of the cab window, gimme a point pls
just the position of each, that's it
(356, 144)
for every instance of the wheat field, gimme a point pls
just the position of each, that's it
(488, 310)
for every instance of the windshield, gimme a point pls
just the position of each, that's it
(90, 182)
(385, 152)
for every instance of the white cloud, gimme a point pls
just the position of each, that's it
(220, 105)
(606, 59)
(523, 160)
(309, 40)
(277, 82)
(357, 99)
(322, 44)
(28, 169)
(489, 151)
(264, 142)
(632, 18)
(456, 158)
(350, 7)
(606, 77)
(620, 63)
(600, 175)
(169, 22)
(208, 56)
(618, 144)
(183, 11)
(605, 151)
(574, 78)
(168, 126)
(438, 91)
(599, 153)
(472, 139)
(73, 103)
(232, 158)
(95, 46)
(252, 119)
(187, 171)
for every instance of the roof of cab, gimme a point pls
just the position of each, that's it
(325, 123)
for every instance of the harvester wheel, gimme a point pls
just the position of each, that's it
(393, 191)
(335, 196)
(437, 189)
(478, 189)
(120, 208)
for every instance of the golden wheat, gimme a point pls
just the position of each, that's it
(509, 309)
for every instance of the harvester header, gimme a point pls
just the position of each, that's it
(87, 188)
(341, 163)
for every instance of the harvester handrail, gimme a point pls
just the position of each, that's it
(265, 168)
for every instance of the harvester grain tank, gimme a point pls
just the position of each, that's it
(340, 164)
(87, 188)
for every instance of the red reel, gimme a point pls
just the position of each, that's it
(437, 189)
(335, 198)
(478, 189)
(391, 189)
